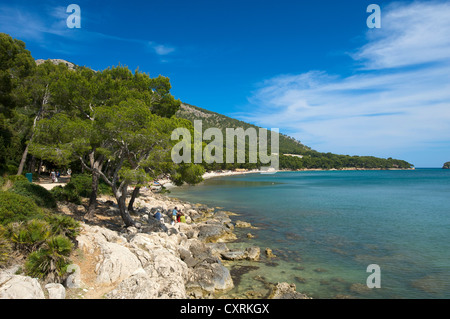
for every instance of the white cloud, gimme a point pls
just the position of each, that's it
(399, 101)
(24, 24)
(161, 49)
(412, 34)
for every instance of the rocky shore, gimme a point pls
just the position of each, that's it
(154, 260)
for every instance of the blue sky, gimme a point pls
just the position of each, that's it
(313, 69)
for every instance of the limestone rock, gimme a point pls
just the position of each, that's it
(286, 291)
(217, 248)
(19, 287)
(74, 279)
(117, 262)
(56, 291)
(211, 277)
(234, 255)
(251, 253)
(214, 233)
(269, 253)
(242, 224)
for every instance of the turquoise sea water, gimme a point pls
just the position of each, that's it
(326, 227)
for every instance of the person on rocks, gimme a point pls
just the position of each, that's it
(158, 215)
(174, 215)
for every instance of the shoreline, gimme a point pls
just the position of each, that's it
(154, 259)
(214, 218)
(215, 174)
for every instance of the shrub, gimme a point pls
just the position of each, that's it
(51, 261)
(79, 186)
(16, 178)
(39, 194)
(29, 236)
(5, 251)
(16, 207)
(83, 185)
(63, 225)
(66, 194)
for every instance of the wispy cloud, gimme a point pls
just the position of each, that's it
(50, 21)
(397, 100)
(411, 35)
(161, 49)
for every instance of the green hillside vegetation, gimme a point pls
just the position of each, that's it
(31, 229)
(287, 145)
(446, 165)
(113, 124)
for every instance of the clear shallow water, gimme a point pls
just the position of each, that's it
(326, 227)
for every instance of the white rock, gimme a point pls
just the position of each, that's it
(20, 287)
(56, 291)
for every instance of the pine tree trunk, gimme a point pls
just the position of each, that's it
(36, 119)
(93, 197)
(121, 196)
(133, 197)
(96, 166)
(22, 161)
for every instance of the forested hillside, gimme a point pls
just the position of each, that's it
(310, 159)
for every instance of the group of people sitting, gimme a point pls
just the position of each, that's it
(177, 216)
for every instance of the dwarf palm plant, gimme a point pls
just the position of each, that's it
(50, 262)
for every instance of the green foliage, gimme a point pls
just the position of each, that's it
(16, 207)
(82, 183)
(16, 178)
(446, 165)
(41, 196)
(189, 173)
(287, 145)
(5, 251)
(50, 262)
(47, 243)
(27, 237)
(63, 225)
(16, 63)
(67, 193)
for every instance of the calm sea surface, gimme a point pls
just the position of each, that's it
(326, 227)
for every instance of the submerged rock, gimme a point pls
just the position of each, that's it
(251, 253)
(215, 232)
(269, 253)
(242, 224)
(286, 291)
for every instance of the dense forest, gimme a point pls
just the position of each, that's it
(113, 124)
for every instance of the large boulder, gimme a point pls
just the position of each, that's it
(56, 291)
(250, 253)
(215, 232)
(210, 277)
(164, 273)
(116, 261)
(19, 287)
